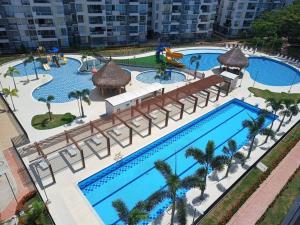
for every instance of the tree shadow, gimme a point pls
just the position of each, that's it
(214, 176)
(95, 96)
(198, 200)
(221, 187)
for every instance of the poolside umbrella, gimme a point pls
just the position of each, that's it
(54, 50)
(234, 58)
(111, 78)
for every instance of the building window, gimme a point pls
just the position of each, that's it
(80, 19)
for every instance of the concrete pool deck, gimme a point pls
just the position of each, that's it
(69, 206)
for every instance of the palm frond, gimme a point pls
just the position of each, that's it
(196, 153)
(41, 99)
(163, 168)
(50, 98)
(156, 198)
(86, 99)
(240, 156)
(210, 149)
(121, 209)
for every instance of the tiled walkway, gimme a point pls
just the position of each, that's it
(21, 182)
(259, 201)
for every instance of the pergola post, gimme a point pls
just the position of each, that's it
(228, 87)
(67, 137)
(218, 94)
(51, 171)
(92, 128)
(195, 104)
(181, 111)
(207, 97)
(167, 118)
(130, 135)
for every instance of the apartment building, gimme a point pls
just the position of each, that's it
(183, 19)
(236, 16)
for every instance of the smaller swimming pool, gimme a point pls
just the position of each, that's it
(150, 75)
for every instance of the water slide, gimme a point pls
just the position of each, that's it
(170, 56)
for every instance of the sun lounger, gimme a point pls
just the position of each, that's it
(43, 164)
(153, 114)
(72, 150)
(169, 107)
(118, 156)
(137, 121)
(117, 129)
(97, 139)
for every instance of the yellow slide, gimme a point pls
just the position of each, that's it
(64, 60)
(170, 56)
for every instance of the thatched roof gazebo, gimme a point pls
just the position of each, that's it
(234, 58)
(111, 79)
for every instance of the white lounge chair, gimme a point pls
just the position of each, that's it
(226, 46)
(250, 50)
(72, 150)
(137, 121)
(43, 164)
(245, 48)
(153, 114)
(97, 139)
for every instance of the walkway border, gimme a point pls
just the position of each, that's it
(215, 203)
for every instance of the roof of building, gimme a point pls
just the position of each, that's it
(111, 75)
(135, 94)
(234, 58)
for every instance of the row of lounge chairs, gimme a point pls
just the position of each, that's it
(288, 59)
(242, 47)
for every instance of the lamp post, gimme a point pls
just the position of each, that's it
(254, 81)
(292, 84)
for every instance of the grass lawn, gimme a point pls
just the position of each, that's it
(148, 61)
(278, 96)
(42, 122)
(223, 211)
(280, 207)
(8, 58)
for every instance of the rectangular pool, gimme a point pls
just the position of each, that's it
(134, 178)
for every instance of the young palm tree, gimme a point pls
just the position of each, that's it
(207, 159)
(25, 64)
(12, 93)
(133, 217)
(12, 71)
(196, 68)
(255, 127)
(161, 71)
(174, 183)
(294, 110)
(285, 112)
(74, 95)
(230, 152)
(81, 96)
(48, 101)
(32, 59)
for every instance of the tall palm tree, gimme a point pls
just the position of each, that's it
(230, 152)
(285, 112)
(294, 110)
(81, 96)
(74, 95)
(161, 71)
(207, 158)
(196, 68)
(275, 107)
(255, 127)
(33, 60)
(25, 64)
(48, 101)
(174, 184)
(11, 93)
(130, 217)
(12, 71)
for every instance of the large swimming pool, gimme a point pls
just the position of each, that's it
(264, 70)
(134, 178)
(65, 79)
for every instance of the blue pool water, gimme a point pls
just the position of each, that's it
(134, 178)
(65, 79)
(207, 61)
(263, 70)
(149, 77)
(271, 72)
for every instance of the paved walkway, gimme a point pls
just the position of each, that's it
(259, 201)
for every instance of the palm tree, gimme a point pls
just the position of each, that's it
(32, 59)
(84, 57)
(230, 152)
(275, 106)
(294, 110)
(48, 101)
(161, 71)
(196, 68)
(81, 96)
(194, 58)
(12, 71)
(12, 93)
(132, 217)
(207, 159)
(25, 64)
(285, 112)
(174, 183)
(255, 127)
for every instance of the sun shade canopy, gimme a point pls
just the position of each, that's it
(234, 58)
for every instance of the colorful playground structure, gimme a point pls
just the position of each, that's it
(171, 57)
(54, 57)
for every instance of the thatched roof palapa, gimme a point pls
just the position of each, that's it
(111, 75)
(234, 58)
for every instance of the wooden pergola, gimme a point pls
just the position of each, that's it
(111, 79)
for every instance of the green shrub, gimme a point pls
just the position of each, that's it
(68, 117)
